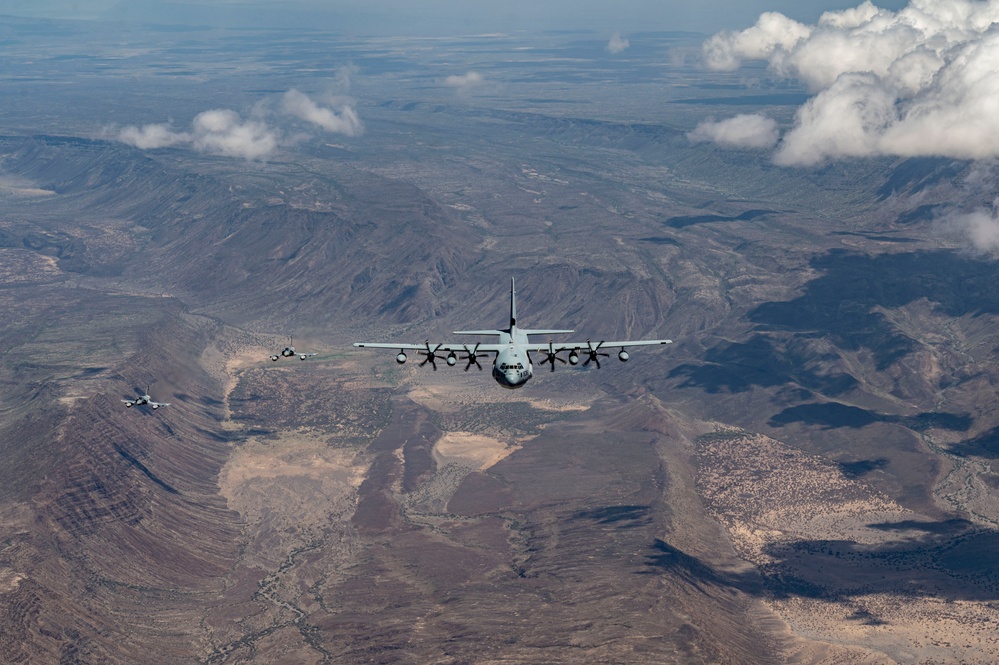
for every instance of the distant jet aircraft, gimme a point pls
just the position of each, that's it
(289, 351)
(512, 366)
(143, 399)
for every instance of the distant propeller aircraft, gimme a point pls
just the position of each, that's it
(289, 351)
(143, 399)
(512, 366)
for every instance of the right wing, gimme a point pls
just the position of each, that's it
(586, 346)
(447, 347)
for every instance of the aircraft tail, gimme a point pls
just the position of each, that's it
(513, 305)
(513, 317)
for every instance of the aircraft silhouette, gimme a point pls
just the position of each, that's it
(289, 351)
(512, 367)
(143, 399)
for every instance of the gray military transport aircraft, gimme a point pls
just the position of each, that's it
(289, 351)
(143, 399)
(512, 366)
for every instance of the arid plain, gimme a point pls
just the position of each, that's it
(803, 477)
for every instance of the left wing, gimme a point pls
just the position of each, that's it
(430, 352)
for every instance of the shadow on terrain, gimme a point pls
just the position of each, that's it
(862, 467)
(917, 173)
(841, 304)
(683, 222)
(866, 618)
(738, 367)
(666, 558)
(625, 517)
(142, 467)
(922, 213)
(663, 240)
(943, 527)
(984, 445)
(875, 237)
(951, 561)
(833, 415)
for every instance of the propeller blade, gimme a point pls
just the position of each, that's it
(431, 355)
(551, 355)
(593, 354)
(472, 358)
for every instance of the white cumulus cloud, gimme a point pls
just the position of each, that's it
(742, 131)
(465, 81)
(149, 137)
(980, 226)
(617, 43)
(224, 132)
(342, 121)
(922, 81)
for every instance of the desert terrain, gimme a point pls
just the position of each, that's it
(804, 476)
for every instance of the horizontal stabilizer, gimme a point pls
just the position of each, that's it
(546, 332)
(479, 332)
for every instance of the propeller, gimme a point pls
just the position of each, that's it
(592, 353)
(431, 355)
(551, 355)
(472, 358)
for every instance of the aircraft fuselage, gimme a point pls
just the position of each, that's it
(512, 367)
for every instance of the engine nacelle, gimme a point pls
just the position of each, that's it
(274, 358)
(452, 359)
(155, 406)
(302, 356)
(401, 358)
(128, 405)
(623, 356)
(573, 358)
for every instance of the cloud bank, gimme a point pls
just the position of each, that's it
(224, 132)
(923, 81)
(617, 44)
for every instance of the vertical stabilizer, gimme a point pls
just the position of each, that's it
(513, 305)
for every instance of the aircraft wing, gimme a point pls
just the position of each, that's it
(159, 404)
(446, 347)
(539, 347)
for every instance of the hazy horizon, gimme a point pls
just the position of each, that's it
(437, 17)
